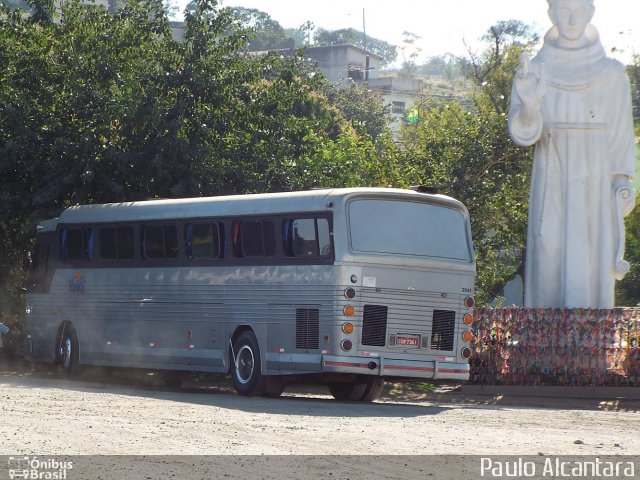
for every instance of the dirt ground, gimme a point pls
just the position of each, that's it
(127, 414)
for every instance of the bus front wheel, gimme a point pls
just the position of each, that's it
(68, 350)
(246, 372)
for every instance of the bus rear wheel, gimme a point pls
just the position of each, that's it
(68, 350)
(246, 371)
(373, 390)
(350, 392)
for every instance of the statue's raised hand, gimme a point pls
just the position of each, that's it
(529, 85)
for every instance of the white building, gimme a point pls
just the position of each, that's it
(345, 64)
(400, 93)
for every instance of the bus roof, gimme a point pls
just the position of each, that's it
(253, 204)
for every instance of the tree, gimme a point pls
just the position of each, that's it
(634, 75)
(103, 107)
(447, 66)
(302, 34)
(493, 69)
(365, 109)
(628, 290)
(350, 36)
(466, 152)
(268, 34)
(410, 52)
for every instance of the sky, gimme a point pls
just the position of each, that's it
(444, 25)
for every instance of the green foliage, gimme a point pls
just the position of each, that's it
(492, 70)
(103, 107)
(628, 289)
(365, 109)
(466, 152)
(468, 155)
(634, 75)
(268, 34)
(410, 52)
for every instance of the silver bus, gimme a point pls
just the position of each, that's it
(348, 287)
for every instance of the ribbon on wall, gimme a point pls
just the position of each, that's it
(581, 347)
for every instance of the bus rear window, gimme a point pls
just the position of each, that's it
(409, 228)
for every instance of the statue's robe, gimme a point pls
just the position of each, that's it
(584, 138)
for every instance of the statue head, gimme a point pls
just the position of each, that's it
(571, 18)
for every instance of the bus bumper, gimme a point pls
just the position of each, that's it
(392, 367)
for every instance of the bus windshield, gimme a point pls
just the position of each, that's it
(408, 228)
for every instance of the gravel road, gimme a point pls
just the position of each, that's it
(42, 414)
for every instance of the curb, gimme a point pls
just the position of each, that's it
(587, 393)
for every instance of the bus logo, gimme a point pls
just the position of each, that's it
(77, 283)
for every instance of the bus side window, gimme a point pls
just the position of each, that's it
(287, 245)
(77, 244)
(254, 238)
(251, 239)
(236, 240)
(126, 243)
(159, 241)
(324, 237)
(203, 240)
(116, 243)
(306, 237)
(171, 241)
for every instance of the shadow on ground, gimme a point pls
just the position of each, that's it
(397, 400)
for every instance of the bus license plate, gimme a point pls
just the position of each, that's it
(411, 341)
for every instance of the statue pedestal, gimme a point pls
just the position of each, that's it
(579, 347)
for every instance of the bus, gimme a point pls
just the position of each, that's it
(347, 287)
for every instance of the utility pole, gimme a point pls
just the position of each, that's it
(364, 31)
(364, 41)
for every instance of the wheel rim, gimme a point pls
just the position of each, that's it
(66, 353)
(244, 364)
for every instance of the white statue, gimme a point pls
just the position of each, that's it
(574, 103)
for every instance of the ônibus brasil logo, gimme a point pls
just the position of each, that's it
(33, 468)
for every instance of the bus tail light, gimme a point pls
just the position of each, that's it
(350, 293)
(347, 328)
(466, 353)
(468, 319)
(467, 336)
(346, 345)
(349, 310)
(469, 302)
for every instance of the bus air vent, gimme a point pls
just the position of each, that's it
(308, 328)
(374, 325)
(442, 330)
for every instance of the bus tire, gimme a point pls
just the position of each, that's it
(68, 351)
(245, 370)
(350, 392)
(373, 390)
